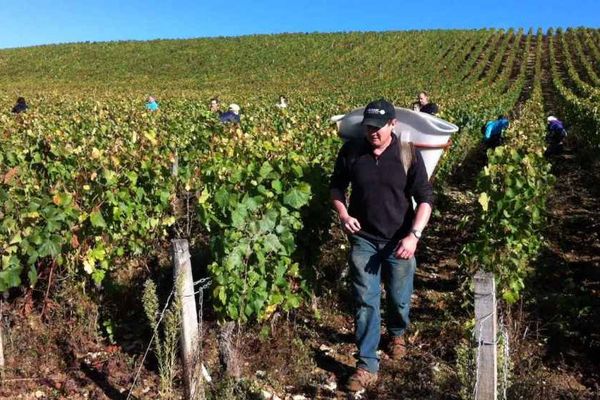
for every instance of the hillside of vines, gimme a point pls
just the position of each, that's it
(93, 189)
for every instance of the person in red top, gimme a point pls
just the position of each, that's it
(383, 229)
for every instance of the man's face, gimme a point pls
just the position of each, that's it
(379, 137)
(423, 99)
(214, 106)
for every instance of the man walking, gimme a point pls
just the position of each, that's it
(383, 229)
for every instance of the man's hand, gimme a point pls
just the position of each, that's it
(406, 247)
(350, 224)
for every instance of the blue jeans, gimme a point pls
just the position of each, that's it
(369, 261)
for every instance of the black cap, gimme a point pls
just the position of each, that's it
(378, 113)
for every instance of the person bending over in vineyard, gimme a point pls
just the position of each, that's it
(383, 229)
(555, 136)
(151, 105)
(232, 115)
(20, 106)
(492, 132)
(424, 105)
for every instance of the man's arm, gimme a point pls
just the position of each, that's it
(407, 246)
(488, 131)
(349, 223)
(338, 185)
(420, 188)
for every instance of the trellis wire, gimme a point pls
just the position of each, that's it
(205, 283)
(503, 333)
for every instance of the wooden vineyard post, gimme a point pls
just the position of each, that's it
(189, 319)
(485, 334)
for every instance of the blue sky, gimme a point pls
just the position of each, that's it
(33, 22)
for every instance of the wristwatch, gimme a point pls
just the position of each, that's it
(417, 233)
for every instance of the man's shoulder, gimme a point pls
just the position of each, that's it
(354, 146)
(430, 108)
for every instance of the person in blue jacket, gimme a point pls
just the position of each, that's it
(151, 105)
(231, 115)
(492, 131)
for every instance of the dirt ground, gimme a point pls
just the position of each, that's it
(82, 344)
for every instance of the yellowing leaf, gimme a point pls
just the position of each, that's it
(88, 265)
(269, 311)
(203, 197)
(32, 214)
(168, 221)
(484, 200)
(56, 199)
(10, 174)
(151, 136)
(96, 153)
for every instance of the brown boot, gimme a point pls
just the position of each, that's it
(397, 348)
(361, 379)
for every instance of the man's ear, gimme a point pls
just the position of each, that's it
(393, 122)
